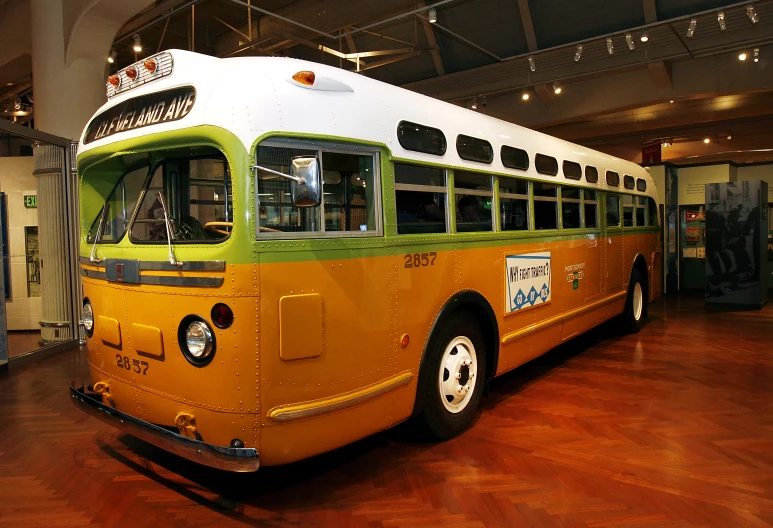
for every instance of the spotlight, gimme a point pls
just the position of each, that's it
(610, 46)
(556, 88)
(432, 15)
(691, 27)
(707, 140)
(113, 55)
(756, 54)
(645, 37)
(742, 56)
(729, 137)
(525, 96)
(579, 53)
(532, 65)
(483, 102)
(137, 43)
(474, 105)
(721, 20)
(752, 14)
(629, 41)
(17, 104)
(671, 101)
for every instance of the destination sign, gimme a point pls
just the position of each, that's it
(138, 112)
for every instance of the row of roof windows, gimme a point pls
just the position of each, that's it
(429, 140)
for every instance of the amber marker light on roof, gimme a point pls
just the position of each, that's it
(131, 73)
(305, 77)
(150, 65)
(115, 80)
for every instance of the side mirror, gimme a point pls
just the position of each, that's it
(306, 186)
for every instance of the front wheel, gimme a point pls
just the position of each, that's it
(635, 303)
(452, 377)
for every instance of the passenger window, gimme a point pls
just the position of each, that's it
(514, 158)
(628, 182)
(197, 193)
(652, 215)
(613, 179)
(570, 208)
(591, 174)
(347, 181)
(420, 138)
(613, 210)
(474, 149)
(514, 204)
(641, 185)
(473, 195)
(420, 199)
(546, 164)
(348, 185)
(628, 204)
(545, 205)
(572, 170)
(641, 211)
(590, 205)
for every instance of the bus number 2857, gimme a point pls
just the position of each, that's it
(417, 260)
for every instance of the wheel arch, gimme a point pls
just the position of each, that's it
(476, 304)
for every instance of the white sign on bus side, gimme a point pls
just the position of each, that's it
(528, 280)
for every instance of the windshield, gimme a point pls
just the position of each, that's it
(197, 192)
(120, 203)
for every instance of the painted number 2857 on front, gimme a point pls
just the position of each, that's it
(134, 365)
(417, 260)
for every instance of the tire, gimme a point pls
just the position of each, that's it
(452, 377)
(635, 304)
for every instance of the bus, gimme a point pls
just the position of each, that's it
(279, 257)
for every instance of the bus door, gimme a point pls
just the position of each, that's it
(613, 245)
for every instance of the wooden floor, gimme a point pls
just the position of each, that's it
(671, 427)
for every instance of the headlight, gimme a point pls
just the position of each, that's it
(197, 341)
(88, 317)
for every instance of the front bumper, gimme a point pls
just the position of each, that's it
(238, 459)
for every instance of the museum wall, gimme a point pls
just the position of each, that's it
(758, 172)
(692, 181)
(16, 180)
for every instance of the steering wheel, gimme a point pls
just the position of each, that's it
(213, 226)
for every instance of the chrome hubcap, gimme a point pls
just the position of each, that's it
(458, 374)
(638, 301)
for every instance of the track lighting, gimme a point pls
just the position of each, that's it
(729, 137)
(721, 20)
(17, 104)
(629, 42)
(752, 14)
(483, 102)
(707, 140)
(671, 101)
(525, 96)
(742, 56)
(691, 27)
(578, 54)
(113, 55)
(432, 15)
(556, 88)
(610, 46)
(137, 43)
(645, 36)
(532, 65)
(756, 54)
(474, 105)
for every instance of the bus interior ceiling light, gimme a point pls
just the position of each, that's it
(532, 64)
(721, 20)
(578, 54)
(137, 43)
(691, 27)
(432, 15)
(112, 56)
(556, 88)
(645, 36)
(610, 46)
(752, 14)
(629, 42)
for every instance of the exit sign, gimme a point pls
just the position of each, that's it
(30, 201)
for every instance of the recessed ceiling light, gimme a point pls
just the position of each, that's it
(706, 140)
(742, 56)
(525, 96)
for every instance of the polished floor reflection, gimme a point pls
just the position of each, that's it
(671, 427)
(23, 341)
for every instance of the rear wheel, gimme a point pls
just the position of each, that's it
(452, 377)
(635, 303)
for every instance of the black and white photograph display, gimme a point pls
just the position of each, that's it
(736, 234)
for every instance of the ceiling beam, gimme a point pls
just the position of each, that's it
(661, 75)
(434, 49)
(650, 11)
(528, 25)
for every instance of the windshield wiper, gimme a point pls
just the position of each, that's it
(98, 236)
(172, 260)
